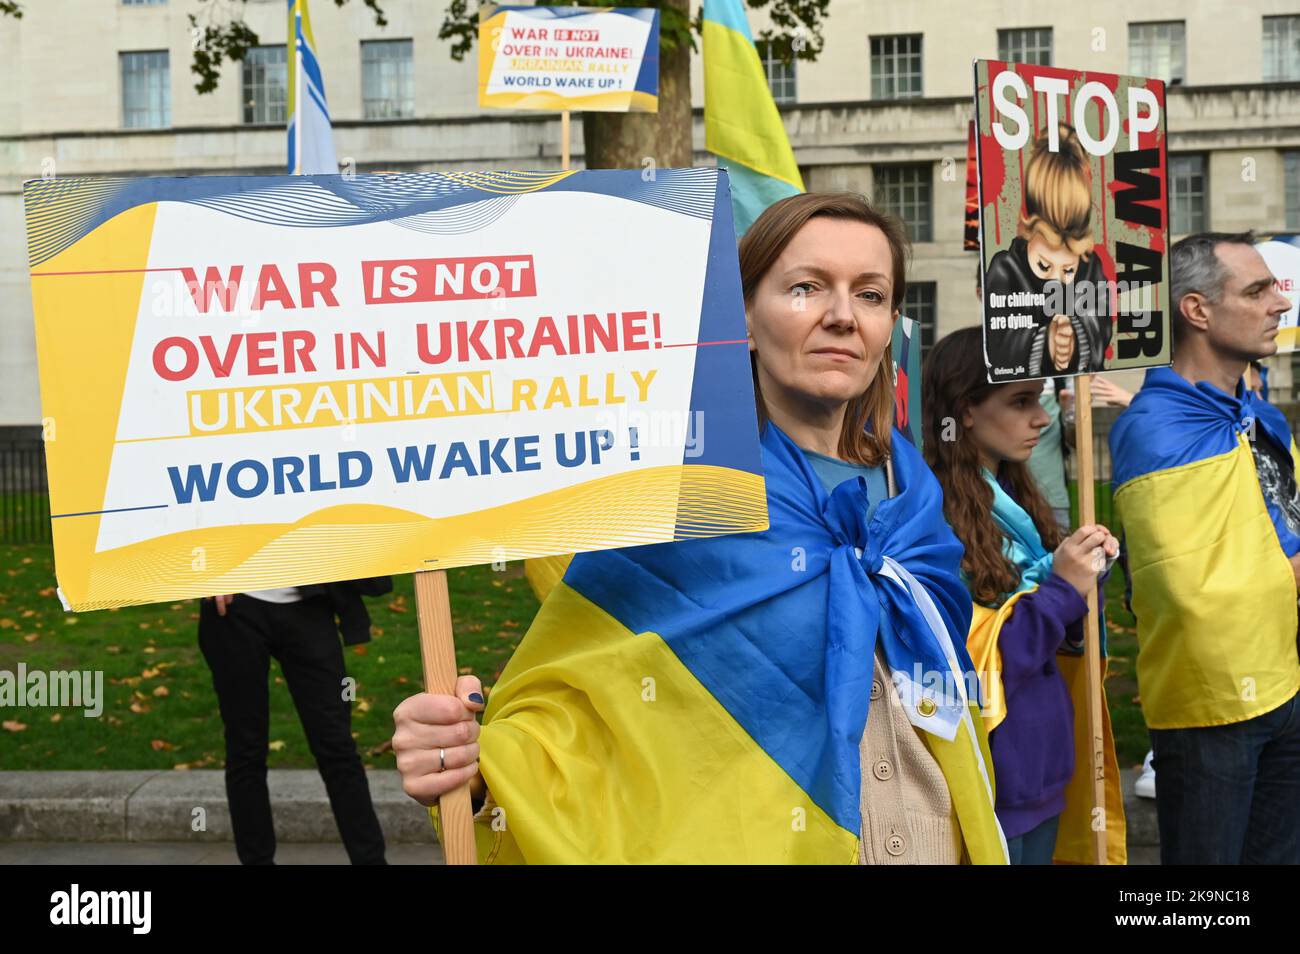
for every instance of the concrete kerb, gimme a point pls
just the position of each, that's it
(161, 807)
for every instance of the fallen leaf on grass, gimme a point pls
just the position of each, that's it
(151, 673)
(275, 746)
(139, 708)
(28, 613)
(359, 650)
(162, 691)
(31, 637)
(13, 725)
(57, 717)
(48, 591)
(158, 745)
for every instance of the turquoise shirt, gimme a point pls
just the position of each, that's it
(832, 472)
(1047, 462)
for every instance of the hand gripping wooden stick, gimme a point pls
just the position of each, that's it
(438, 653)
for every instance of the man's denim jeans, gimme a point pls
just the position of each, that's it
(1230, 794)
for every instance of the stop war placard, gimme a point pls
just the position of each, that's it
(259, 382)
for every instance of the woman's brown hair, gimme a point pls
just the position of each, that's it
(869, 416)
(953, 379)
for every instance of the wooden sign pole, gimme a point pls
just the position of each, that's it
(564, 139)
(438, 653)
(1092, 634)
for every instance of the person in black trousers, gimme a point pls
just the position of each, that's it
(238, 635)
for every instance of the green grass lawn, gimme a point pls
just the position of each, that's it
(1131, 739)
(160, 711)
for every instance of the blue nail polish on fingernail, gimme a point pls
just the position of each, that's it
(476, 698)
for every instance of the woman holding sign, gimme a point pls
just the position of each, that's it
(1028, 582)
(797, 695)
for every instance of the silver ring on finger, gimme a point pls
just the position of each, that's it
(442, 760)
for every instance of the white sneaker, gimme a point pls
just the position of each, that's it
(1145, 786)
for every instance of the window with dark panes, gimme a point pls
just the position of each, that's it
(896, 66)
(905, 191)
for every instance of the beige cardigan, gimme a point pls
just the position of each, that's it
(907, 811)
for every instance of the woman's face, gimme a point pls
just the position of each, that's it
(1051, 264)
(820, 320)
(1006, 424)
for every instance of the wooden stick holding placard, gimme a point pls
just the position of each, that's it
(438, 653)
(1092, 635)
(564, 138)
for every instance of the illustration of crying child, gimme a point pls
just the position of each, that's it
(1053, 243)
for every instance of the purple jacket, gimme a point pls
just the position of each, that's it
(1033, 748)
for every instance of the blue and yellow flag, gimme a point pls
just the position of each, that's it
(742, 126)
(1023, 546)
(1213, 589)
(704, 701)
(311, 140)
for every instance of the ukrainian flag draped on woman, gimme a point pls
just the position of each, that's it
(703, 701)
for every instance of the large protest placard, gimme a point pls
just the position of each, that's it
(267, 381)
(569, 58)
(1073, 220)
(1282, 254)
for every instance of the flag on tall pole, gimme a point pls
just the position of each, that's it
(311, 140)
(742, 126)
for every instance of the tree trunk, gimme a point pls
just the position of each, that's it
(628, 140)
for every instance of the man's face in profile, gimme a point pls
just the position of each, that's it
(1244, 322)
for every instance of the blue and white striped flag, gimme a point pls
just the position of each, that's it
(311, 141)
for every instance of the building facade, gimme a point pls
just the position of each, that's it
(104, 87)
